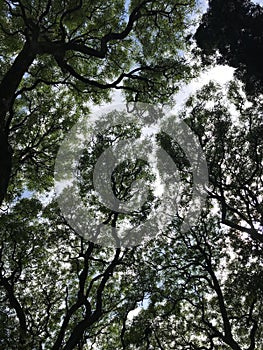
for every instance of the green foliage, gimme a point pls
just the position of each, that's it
(58, 56)
(200, 289)
(227, 128)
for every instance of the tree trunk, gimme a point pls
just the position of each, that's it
(8, 88)
(5, 164)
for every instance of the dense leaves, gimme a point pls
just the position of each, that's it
(83, 49)
(199, 289)
(230, 131)
(231, 33)
(203, 288)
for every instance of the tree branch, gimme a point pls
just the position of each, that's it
(83, 325)
(14, 303)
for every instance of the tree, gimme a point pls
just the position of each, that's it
(52, 282)
(56, 57)
(203, 287)
(197, 289)
(83, 49)
(201, 294)
(230, 32)
(61, 287)
(233, 148)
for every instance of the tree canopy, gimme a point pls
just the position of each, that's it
(80, 49)
(198, 288)
(231, 32)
